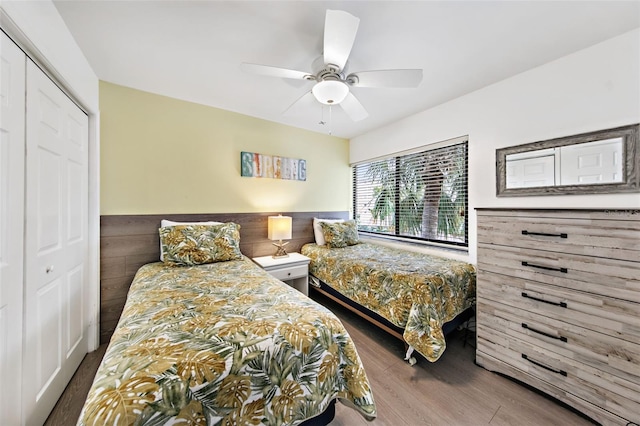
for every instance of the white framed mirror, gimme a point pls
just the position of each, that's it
(604, 161)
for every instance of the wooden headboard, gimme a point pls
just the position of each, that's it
(130, 241)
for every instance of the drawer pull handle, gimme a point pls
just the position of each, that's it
(541, 365)
(546, 268)
(561, 304)
(525, 232)
(561, 338)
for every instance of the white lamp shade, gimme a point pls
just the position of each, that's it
(330, 92)
(279, 228)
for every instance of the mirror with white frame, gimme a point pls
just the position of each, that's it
(605, 161)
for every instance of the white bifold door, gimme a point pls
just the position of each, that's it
(12, 145)
(55, 334)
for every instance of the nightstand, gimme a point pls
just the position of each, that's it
(293, 270)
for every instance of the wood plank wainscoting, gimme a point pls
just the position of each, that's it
(129, 241)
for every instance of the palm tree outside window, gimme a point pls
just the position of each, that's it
(420, 196)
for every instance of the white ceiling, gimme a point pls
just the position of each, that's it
(192, 50)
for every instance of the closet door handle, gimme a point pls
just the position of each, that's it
(561, 338)
(561, 304)
(546, 268)
(546, 367)
(525, 232)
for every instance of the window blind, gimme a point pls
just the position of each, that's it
(420, 196)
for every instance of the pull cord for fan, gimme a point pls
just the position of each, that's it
(322, 122)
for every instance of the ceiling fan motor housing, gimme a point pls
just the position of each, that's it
(330, 73)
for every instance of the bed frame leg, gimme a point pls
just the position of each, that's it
(408, 350)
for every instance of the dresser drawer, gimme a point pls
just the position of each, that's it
(600, 415)
(593, 234)
(610, 392)
(616, 356)
(290, 273)
(619, 318)
(610, 277)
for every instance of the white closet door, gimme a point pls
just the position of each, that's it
(12, 145)
(56, 274)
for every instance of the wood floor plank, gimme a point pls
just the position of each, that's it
(69, 406)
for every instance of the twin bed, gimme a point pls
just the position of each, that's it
(416, 297)
(208, 337)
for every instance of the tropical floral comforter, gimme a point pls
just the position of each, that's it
(223, 344)
(414, 291)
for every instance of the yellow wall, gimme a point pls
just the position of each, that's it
(162, 155)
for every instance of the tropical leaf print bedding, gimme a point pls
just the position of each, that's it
(414, 291)
(223, 344)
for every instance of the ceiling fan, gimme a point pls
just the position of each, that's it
(332, 83)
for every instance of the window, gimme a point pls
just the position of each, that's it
(420, 196)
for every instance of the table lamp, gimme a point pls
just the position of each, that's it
(279, 228)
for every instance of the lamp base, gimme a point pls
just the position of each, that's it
(281, 252)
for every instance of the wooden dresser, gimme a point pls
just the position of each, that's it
(558, 305)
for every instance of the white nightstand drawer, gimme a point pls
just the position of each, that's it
(290, 273)
(292, 269)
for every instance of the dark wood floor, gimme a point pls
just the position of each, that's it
(452, 391)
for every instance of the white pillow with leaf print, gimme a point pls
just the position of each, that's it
(166, 222)
(317, 229)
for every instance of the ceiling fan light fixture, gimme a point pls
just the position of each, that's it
(330, 92)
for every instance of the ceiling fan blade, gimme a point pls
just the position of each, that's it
(303, 103)
(385, 78)
(354, 109)
(275, 71)
(340, 30)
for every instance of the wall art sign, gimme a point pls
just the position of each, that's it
(270, 166)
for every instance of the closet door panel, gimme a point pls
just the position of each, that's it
(56, 246)
(75, 238)
(12, 147)
(48, 345)
(77, 214)
(75, 311)
(48, 202)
